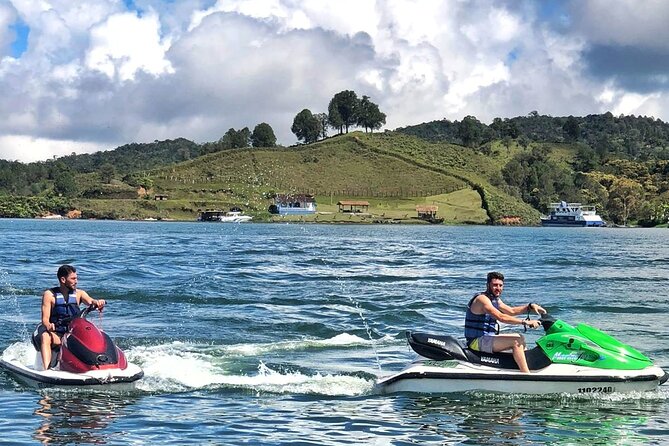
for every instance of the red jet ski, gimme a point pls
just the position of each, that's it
(87, 358)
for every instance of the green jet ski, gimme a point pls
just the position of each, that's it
(567, 359)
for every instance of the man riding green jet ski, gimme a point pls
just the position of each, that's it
(567, 359)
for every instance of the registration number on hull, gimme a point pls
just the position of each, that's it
(608, 389)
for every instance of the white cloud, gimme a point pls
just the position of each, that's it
(125, 44)
(654, 105)
(633, 103)
(480, 76)
(96, 74)
(498, 25)
(607, 96)
(28, 149)
(246, 70)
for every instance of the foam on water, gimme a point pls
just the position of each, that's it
(181, 366)
(341, 340)
(184, 366)
(22, 352)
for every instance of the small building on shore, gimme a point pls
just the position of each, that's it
(293, 204)
(353, 206)
(428, 212)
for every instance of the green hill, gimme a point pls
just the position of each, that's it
(393, 172)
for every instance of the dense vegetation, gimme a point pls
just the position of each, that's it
(623, 136)
(620, 164)
(31, 207)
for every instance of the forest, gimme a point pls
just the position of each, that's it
(619, 164)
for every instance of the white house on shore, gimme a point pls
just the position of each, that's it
(293, 204)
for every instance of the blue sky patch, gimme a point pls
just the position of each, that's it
(512, 56)
(131, 6)
(20, 45)
(555, 12)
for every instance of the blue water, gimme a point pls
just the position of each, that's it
(275, 334)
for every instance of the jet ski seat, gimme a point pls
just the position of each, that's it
(436, 347)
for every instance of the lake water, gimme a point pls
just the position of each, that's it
(275, 334)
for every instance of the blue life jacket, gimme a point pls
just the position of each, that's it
(477, 325)
(63, 310)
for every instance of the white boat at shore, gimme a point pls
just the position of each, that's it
(232, 216)
(52, 217)
(572, 215)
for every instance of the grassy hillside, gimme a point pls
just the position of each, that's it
(472, 167)
(332, 166)
(393, 172)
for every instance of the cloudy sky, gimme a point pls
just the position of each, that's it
(87, 75)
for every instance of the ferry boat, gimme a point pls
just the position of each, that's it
(572, 214)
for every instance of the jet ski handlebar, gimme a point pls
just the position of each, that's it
(87, 310)
(66, 321)
(546, 321)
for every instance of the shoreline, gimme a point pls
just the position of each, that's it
(293, 220)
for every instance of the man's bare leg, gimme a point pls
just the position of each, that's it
(48, 339)
(516, 343)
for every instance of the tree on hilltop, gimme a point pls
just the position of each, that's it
(235, 139)
(324, 121)
(571, 129)
(263, 136)
(334, 118)
(505, 128)
(342, 110)
(369, 116)
(470, 131)
(306, 126)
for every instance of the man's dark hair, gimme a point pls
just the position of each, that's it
(495, 275)
(65, 271)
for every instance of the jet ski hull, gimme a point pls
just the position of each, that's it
(113, 378)
(452, 376)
